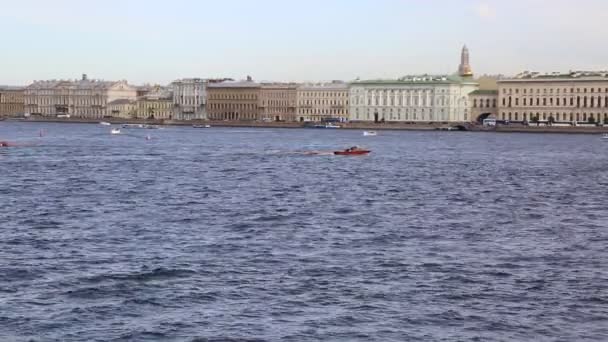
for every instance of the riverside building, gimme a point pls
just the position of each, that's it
(278, 102)
(419, 98)
(190, 98)
(484, 104)
(11, 101)
(322, 101)
(233, 100)
(81, 98)
(577, 96)
(157, 103)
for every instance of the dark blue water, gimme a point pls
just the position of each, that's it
(225, 235)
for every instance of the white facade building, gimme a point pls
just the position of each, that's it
(415, 98)
(423, 98)
(190, 98)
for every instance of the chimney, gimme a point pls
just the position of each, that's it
(249, 79)
(84, 77)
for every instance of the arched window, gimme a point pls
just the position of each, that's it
(578, 102)
(503, 102)
(509, 101)
(475, 103)
(592, 102)
(488, 103)
(525, 102)
(538, 101)
(494, 103)
(585, 101)
(545, 101)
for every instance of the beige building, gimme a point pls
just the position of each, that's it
(232, 100)
(11, 101)
(277, 102)
(156, 104)
(80, 98)
(570, 97)
(484, 104)
(317, 102)
(122, 108)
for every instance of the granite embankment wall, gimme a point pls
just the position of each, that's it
(350, 125)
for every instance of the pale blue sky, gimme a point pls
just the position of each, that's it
(300, 40)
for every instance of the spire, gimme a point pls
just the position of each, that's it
(464, 69)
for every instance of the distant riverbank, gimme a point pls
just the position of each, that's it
(513, 128)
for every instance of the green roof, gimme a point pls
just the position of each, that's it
(420, 79)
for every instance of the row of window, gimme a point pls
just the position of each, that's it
(410, 101)
(222, 96)
(400, 91)
(232, 116)
(406, 116)
(557, 90)
(242, 106)
(591, 102)
(556, 116)
(323, 111)
(487, 103)
(323, 103)
(315, 94)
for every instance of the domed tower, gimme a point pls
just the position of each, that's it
(464, 69)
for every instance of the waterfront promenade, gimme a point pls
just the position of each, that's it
(512, 128)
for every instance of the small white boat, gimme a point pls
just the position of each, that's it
(370, 133)
(103, 123)
(115, 131)
(201, 126)
(331, 126)
(605, 137)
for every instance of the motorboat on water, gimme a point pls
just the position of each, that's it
(605, 137)
(115, 131)
(201, 126)
(103, 123)
(370, 133)
(353, 151)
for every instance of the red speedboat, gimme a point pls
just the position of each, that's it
(353, 151)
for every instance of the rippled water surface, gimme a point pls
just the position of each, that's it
(227, 235)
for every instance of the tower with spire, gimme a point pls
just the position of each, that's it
(464, 69)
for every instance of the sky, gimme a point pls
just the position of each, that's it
(156, 41)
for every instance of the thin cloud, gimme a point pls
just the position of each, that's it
(485, 11)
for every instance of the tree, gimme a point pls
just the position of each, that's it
(591, 120)
(605, 120)
(551, 120)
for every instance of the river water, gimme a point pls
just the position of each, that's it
(231, 235)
